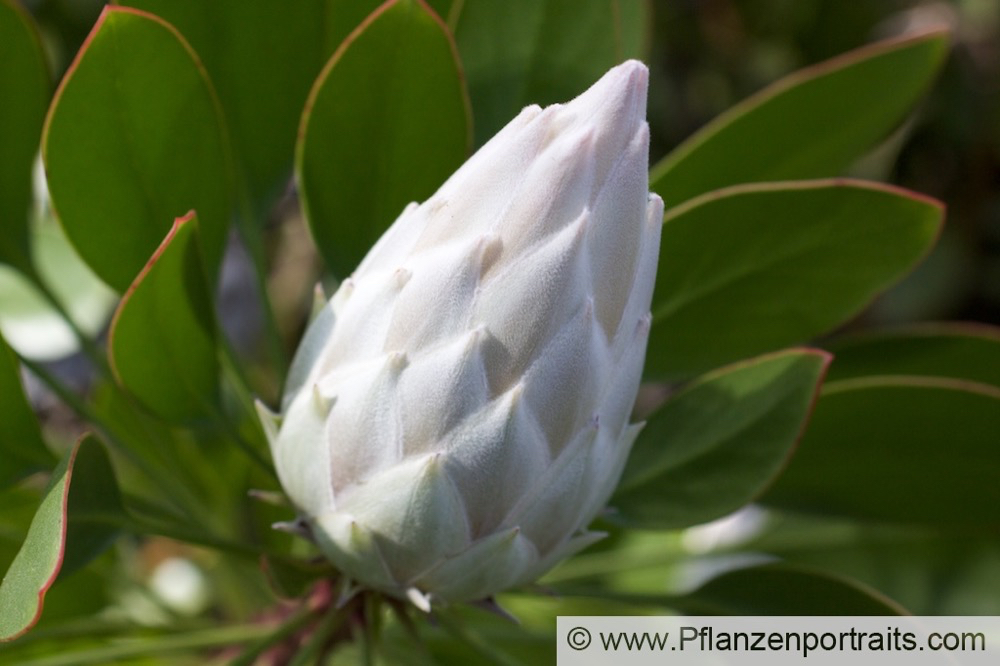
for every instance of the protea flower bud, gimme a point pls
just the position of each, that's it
(458, 413)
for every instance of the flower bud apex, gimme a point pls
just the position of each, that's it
(458, 413)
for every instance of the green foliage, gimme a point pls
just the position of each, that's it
(163, 339)
(775, 589)
(177, 119)
(716, 445)
(37, 563)
(788, 262)
(360, 163)
(959, 351)
(811, 124)
(24, 77)
(69, 528)
(885, 448)
(22, 449)
(262, 58)
(133, 140)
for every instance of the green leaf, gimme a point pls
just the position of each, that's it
(812, 123)
(71, 525)
(524, 52)
(95, 506)
(343, 17)
(133, 140)
(262, 57)
(915, 450)
(718, 443)
(162, 344)
(782, 589)
(755, 268)
(385, 124)
(22, 450)
(930, 572)
(957, 350)
(24, 87)
(36, 565)
(19, 502)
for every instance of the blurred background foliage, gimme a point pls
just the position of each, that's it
(709, 54)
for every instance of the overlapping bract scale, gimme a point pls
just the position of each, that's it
(460, 411)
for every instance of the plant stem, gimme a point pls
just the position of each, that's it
(222, 421)
(311, 652)
(295, 623)
(141, 525)
(216, 637)
(87, 345)
(177, 494)
(590, 565)
(488, 653)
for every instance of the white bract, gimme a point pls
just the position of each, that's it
(458, 413)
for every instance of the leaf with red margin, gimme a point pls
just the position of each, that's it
(22, 449)
(754, 268)
(911, 450)
(717, 444)
(386, 123)
(782, 589)
(24, 87)
(74, 522)
(133, 139)
(162, 344)
(960, 350)
(263, 58)
(811, 124)
(770, 589)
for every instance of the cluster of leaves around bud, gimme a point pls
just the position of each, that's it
(159, 114)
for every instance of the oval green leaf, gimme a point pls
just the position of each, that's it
(162, 344)
(263, 58)
(810, 124)
(72, 524)
(524, 52)
(914, 450)
(717, 444)
(22, 450)
(958, 350)
(782, 589)
(134, 139)
(24, 87)
(385, 124)
(754, 268)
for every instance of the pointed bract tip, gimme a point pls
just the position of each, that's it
(269, 421)
(419, 599)
(298, 527)
(322, 404)
(396, 361)
(490, 605)
(401, 276)
(489, 248)
(620, 92)
(645, 322)
(348, 590)
(318, 302)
